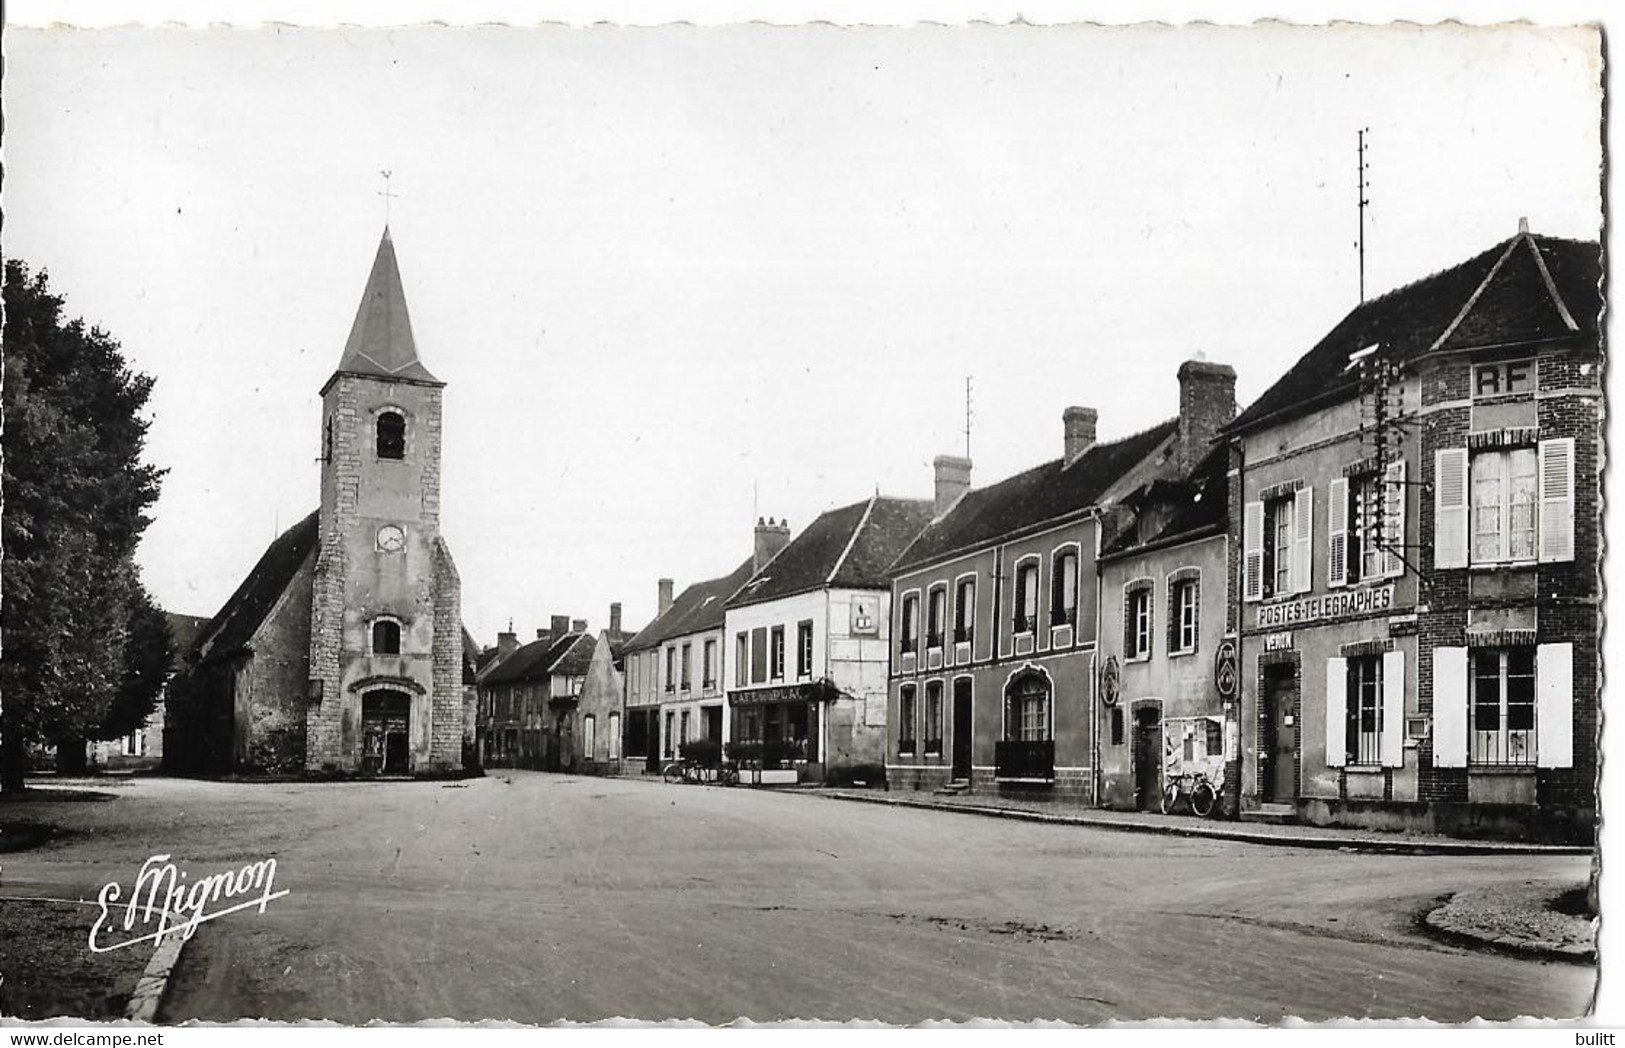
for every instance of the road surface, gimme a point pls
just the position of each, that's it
(535, 897)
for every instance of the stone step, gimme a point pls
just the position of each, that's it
(954, 788)
(1276, 814)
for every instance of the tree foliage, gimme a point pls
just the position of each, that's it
(76, 498)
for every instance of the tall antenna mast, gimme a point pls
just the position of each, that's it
(1361, 185)
(967, 416)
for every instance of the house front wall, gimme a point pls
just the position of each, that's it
(1058, 653)
(693, 698)
(1294, 645)
(1167, 692)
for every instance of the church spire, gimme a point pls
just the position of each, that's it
(380, 342)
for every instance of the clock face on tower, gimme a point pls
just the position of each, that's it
(391, 538)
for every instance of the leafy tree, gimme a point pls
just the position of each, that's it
(76, 494)
(149, 651)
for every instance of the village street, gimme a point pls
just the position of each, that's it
(532, 897)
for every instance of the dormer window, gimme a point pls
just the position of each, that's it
(386, 637)
(391, 435)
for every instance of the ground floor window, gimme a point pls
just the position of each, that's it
(1026, 713)
(1364, 736)
(134, 743)
(778, 731)
(933, 718)
(614, 736)
(671, 733)
(1501, 704)
(905, 720)
(589, 736)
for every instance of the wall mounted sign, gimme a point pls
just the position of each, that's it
(865, 615)
(1277, 641)
(1328, 606)
(1224, 669)
(1109, 682)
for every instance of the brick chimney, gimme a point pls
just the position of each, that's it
(615, 617)
(507, 642)
(771, 537)
(578, 625)
(1078, 424)
(1207, 400)
(560, 626)
(664, 604)
(953, 480)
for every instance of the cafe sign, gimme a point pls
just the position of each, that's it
(1328, 606)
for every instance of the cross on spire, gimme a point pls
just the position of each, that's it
(388, 194)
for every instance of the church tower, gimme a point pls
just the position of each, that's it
(385, 693)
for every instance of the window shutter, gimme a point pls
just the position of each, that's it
(1557, 499)
(1171, 629)
(1449, 707)
(1393, 498)
(1393, 709)
(1196, 613)
(1337, 532)
(1450, 508)
(1337, 714)
(1303, 534)
(1252, 545)
(1554, 705)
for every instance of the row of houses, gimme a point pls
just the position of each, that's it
(1371, 598)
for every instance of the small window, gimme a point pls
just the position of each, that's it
(1063, 601)
(776, 670)
(688, 663)
(710, 678)
(910, 628)
(671, 669)
(1026, 596)
(965, 611)
(386, 637)
(1137, 621)
(1117, 725)
(936, 616)
(804, 648)
(905, 720)
(741, 659)
(391, 435)
(933, 718)
(1183, 601)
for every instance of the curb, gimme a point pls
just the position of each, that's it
(1438, 922)
(1361, 845)
(149, 990)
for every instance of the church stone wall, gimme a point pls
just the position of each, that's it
(446, 742)
(269, 728)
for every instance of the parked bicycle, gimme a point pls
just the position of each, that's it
(698, 772)
(1197, 790)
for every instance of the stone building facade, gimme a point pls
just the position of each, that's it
(1417, 580)
(342, 652)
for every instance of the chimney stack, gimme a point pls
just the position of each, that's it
(578, 625)
(507, 642)
(615, 617)
(664, 603)
(771, 537)
(561, 626)
(541, 634)
(1079, 427)
(1207, 400)
(953, 480)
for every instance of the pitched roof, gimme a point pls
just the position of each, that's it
(1029, 499)
(849, 547)
(1523, 289)
(183, 631)
(543, 657)
(699, 607)
(1198, 503)
(380, 342)
(234, 624)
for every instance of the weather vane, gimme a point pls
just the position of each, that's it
(387, 193)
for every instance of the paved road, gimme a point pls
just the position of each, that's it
(533, 897)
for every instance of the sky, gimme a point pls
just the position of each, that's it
(677, 278)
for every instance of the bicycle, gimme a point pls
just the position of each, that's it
(693, 772)
(1197, 790)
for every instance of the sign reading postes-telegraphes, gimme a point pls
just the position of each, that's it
(1328, 606)
(865, 615)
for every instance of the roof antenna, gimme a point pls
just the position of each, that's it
(967, 416)
(387, 194)
(1361, 185)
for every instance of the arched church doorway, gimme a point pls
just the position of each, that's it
(386, 723)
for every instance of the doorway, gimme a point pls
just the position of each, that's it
(386, 721)
(1148, 758)
(712, 716)
(1280, 699)
(962, 729)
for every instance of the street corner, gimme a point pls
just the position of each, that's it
(1542, 918)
